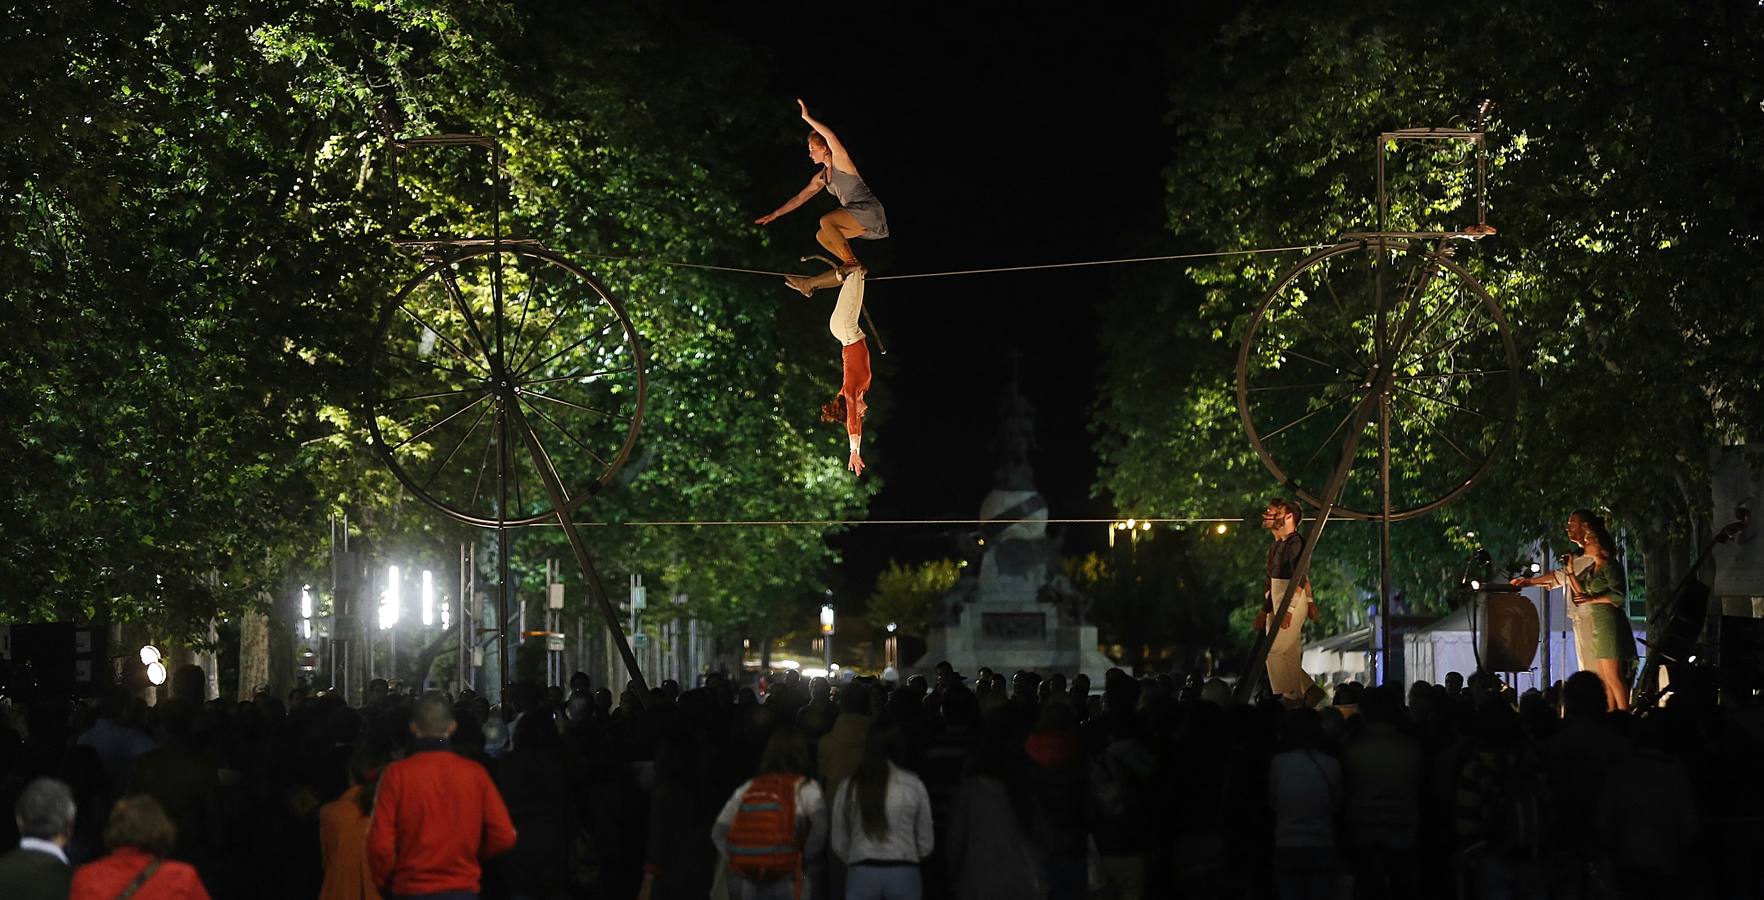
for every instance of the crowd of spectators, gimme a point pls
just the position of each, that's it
(940, 786)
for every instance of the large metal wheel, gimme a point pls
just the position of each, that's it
(1310, 355)
(486, 331)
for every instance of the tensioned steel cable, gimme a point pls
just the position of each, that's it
(1130, 260)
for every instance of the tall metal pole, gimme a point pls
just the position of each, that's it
(502, 586)
(554, 490)
(1383, 654)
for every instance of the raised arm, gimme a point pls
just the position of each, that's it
(841, 159)
(801, 197)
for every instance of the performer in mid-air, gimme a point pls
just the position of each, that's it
(859, 217)
(849, 405)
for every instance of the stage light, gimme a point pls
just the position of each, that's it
(156, 673)
(891, 627)
(1131, 523)
(1535, 568)
(306, 601)
(1221, 528)
(1691, 659)
(150, 655)
(1145, 526)
(393, 598)
(428, 597)
(1475, 585)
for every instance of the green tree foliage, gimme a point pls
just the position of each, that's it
(197, 206)
(909, 596)
(1625, 184)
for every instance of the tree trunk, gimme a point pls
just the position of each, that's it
(284, 617)
(254, 649)
(445, 641)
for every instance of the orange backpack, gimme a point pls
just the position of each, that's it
(762, 839)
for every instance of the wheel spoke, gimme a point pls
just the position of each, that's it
(439, 368)
(435, 396)
(1464, 373)
(484, 463)
(576, 375)
(450, 417)
(1440, 350)
(1334, 367)
(1331, 436)
(462, 442)
(1270, 435)
(451, 283)
(1294, 387)
(566, 433)
(1444, 402)
(573, 405)
(579, 342)
(1438, 433)
(514, 341)
(443, 339)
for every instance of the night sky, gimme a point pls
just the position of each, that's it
(993, 140)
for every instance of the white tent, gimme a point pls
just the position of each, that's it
(1340, 658)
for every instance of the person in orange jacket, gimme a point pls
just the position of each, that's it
(437, 815)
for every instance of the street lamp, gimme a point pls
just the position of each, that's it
(827, 632)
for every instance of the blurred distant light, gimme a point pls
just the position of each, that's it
(156, 672)
(150, 655)
(428, 597)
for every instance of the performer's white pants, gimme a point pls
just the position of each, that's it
(844, 323)
(1586, 656)
(1285, 674)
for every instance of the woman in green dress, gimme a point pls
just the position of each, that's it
(1601, 589)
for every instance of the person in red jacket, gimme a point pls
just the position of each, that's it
(437, 815)
(139, 835)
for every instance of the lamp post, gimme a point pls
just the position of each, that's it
(827, 633)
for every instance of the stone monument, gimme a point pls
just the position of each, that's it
(1017, 609)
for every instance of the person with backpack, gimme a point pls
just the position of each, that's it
(773, 830)
(881, 824)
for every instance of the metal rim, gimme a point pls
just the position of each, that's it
(436, 271)
(1496, 316)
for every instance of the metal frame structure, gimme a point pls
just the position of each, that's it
(507, 385)
(1390, 342)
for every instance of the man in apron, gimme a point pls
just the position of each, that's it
(1286, 676)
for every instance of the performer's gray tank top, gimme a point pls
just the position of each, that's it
(856, 197)
(849, 188)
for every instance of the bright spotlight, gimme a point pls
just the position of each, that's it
(150, 655)
(1535, 568)
(156, 673)
(1220, 528)
(393, 597)
(306, 601)
(1475, 585)
(1131, 523)
(891, 627)
(428, 597)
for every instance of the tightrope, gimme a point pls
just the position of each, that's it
(1131, 260)
(829, 523)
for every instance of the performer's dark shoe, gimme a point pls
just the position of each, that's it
(800, 283)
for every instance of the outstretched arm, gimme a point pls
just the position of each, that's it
(841, 159)
(802, 196)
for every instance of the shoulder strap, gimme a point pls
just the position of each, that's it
(140, 879)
